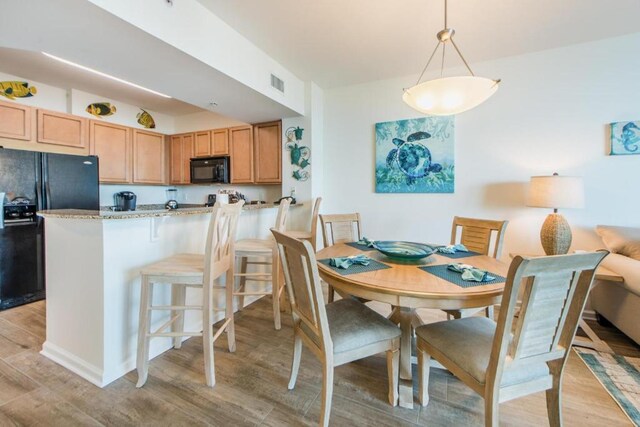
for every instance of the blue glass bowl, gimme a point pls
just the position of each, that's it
(404, 250)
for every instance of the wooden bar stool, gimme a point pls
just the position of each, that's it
(311, 236)
(194, 271)
(247, 250)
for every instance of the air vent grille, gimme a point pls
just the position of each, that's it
(277, 83)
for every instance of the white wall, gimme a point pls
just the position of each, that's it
(47, 97)
(203, 120)
(550, 114)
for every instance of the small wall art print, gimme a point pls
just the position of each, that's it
(415, 155)
(625, 138)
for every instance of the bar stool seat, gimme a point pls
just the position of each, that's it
(180, 265)
(253, 246)
(300, 234)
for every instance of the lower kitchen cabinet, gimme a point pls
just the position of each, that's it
(112, 144)
(148, 157)
(62, 129)
(241, 152)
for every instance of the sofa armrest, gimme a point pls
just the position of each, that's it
(628, 268)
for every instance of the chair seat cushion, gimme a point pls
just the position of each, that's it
(353, 325)
(467, 343)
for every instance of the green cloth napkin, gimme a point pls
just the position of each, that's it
(470, 273)
(347, 262)
(366, 242)
(452, 249)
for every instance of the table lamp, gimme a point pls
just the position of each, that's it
(556, 192)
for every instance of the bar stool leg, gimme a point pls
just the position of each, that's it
(207, 336)
(244, 261)
(178, 296)
(231, 327)
(142, 362)
(275, 288)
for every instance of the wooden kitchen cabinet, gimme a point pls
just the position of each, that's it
(62, 129)
(267, 143)
(202, 144)
(182, 147)
(220, 142)
(112, 144)
(15, 121)
(148, 157)
(241, 152)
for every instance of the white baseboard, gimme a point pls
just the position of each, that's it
(78, 366)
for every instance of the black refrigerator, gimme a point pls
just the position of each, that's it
(30, 182)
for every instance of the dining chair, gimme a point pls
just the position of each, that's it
(184, 271)
(260, 252)
(337, 333)
(339, 228)
(477, 235)
(311, 235)
(518, 355)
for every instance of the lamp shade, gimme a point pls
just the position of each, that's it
(557, 192)
(449, 95)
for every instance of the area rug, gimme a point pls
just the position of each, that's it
(619, 375)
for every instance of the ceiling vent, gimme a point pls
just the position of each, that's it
(277, 83)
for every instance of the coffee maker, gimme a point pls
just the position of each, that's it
(125, 201)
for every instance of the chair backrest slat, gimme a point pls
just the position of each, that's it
(221, 236)
(476, 234)
(554, 291)
(303, 287)
(283, 214)
(314, 222)
(340, 228)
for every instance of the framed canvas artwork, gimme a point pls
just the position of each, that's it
(625, 138)
(415, 155)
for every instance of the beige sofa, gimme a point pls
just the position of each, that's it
(619, 303)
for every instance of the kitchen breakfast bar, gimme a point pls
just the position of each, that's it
(93, 260)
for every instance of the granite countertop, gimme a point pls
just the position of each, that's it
(143, 211)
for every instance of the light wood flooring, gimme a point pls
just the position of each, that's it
(252, 385)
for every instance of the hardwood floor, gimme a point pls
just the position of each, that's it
(251, 385)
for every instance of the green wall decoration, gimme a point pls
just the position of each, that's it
(300, 154)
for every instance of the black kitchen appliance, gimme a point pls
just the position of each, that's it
(211, 200)
(211, 170)
(29, 182)
(125, 201)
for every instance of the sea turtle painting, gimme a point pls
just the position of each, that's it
(415, 155)
(412, 158)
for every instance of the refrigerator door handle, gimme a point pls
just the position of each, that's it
(2, 210)
(39, 199)
(45, 180)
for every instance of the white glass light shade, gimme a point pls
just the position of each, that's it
(558, 192)
(449, 95)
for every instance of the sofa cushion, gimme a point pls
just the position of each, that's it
(626, 267)
(621, 240)
(467, 342)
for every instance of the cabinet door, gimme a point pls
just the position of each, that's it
(62, 129)
(112, 144)
(241, 151)
(202, 145)
(220, 142)
(148, 157)
(187, 154)
(176, 159)
(267, 141)
(15, 121)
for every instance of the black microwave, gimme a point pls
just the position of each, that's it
(210, 170)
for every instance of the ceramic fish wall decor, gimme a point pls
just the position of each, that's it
(101, 109)
(13, 90)
(145, 119)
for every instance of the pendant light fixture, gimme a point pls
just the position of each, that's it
(448, 95)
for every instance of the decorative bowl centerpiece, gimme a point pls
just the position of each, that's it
(403, 250)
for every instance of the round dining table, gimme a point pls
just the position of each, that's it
(406, 287)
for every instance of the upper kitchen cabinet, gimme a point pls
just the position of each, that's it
(182, 147)
(202, 144)
(15, 121)
(148, 157)
(220, 142)
(241, 152)
(112, 144)
(267, 143)
(62, 129)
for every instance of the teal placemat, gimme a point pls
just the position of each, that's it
(443, 272)
(361, 247)
(458, 254)
(357, 268)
